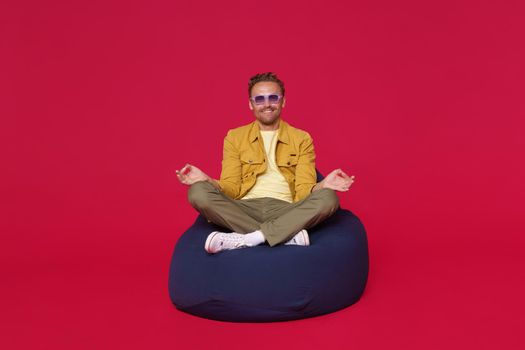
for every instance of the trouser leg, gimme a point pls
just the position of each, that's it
(278, 220)
(221, 209)
(285, 221)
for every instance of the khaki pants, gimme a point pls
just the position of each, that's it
(278, 220)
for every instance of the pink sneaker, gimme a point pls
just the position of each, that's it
(218, 241)
(301, 238)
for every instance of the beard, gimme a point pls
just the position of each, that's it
(268, 119)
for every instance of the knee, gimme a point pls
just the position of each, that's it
(199, 194)
(328, 201)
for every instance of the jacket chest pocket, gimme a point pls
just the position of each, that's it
(288, 160)
(250, 164)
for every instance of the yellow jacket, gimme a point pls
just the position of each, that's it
(244, 159)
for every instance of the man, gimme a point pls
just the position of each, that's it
(267, 191)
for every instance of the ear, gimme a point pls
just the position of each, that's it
(284, 101)
(250, 104)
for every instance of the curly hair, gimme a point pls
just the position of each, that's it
(268, 76)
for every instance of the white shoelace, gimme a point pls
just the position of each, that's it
(233, 240)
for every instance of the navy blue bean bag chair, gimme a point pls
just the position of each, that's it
(266, 284)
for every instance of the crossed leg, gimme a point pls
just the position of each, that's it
(277, 220)
(221, 209)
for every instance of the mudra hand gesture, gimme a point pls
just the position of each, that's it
(190, 174)
(337, 180)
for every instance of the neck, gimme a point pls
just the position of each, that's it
(270, 127)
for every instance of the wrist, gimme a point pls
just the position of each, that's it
(214, 182)
(318, 186)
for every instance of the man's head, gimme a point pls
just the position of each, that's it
(266, 92)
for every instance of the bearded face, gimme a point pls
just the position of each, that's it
(268, 112)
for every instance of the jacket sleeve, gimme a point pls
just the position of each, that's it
(305, 175)
(230, 181)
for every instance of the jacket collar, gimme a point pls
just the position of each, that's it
(282, 135)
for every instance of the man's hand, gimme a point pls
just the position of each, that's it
(191, 174)
(337, 180)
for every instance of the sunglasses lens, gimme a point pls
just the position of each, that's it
(273, 98)
(259, 99)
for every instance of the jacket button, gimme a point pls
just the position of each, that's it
(288, 163)
(250, 161)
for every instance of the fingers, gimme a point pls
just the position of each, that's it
(345, 175)
(342, 189)
(346, 183)
(349, 180)
(341, 173)
(181, 177)
(182, 174)
(338, 187)
(345, 187)
(186, 169)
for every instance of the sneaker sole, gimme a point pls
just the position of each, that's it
(306, 237)
(207, 244)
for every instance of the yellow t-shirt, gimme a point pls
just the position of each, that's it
(271, 183)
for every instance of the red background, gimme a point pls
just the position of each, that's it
(102, 100)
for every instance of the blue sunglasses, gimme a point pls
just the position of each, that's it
(271, 99)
